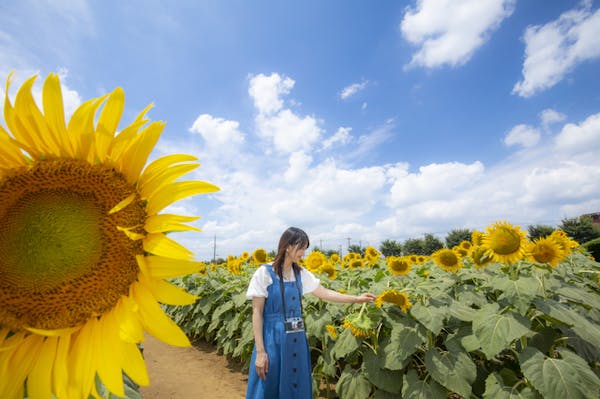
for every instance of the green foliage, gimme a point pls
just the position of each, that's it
(536, 231)
(431, 244)
(414, 246)
(390, 248)
(581, 229)
(507, 331)
(357, 249)
(457, 236)
(593, 247)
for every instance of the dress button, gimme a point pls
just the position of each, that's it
(295, 385)
(294, 354)
(294, 369)
(294, 298)
(295, 339)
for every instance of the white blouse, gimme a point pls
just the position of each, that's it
(261, 280)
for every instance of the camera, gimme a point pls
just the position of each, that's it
(294, 324)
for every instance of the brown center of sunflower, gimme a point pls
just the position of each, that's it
(448, 258)
(544, 253)
(62, 258)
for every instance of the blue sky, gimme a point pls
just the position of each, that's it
(360, 120)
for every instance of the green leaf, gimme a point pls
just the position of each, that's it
(381, 394)
(585, 329)
(461, 311)
(399, 346)
(495, 389)
(580, 295)
(569, 377)
(353, 385)
(518, 292)
(431, 317)
(454, 370)
(414, 388)
(495, 331)
(382, 378)
(345, 344)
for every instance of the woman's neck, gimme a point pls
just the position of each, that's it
(287, 266)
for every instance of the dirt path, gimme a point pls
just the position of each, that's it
(195, 373)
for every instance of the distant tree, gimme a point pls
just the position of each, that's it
(315, 249)
(431, 244)
(272, 254)
(414, 246)
(329, 252)
(457, 236)
(581, 229)
(390, 248)
(539, 230)
(356, 249)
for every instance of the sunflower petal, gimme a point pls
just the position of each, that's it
(167, 293)
(81, 127)
(25, 355)
(60, 372)
(134, 366)
(161, 245)
(175, 192)
(54, 112)
(158, 165)
(130, 328)
(39, 382)
(155, 321)
(122, 204)
(167, 176)
(109, 361)
(161, 267)
(167, 223)
(135, 157)
(81, 370)
(132, 235)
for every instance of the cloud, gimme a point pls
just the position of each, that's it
(554, 49)
(524, 135)
(288, 131)
(299, 163)
(267, 90)
(351, 90)
(218, 132)
(581, 138)
(341, 136)
(549, 117)
(449, 32)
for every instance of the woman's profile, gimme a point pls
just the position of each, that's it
(280, 367)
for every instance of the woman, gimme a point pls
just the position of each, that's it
(280, 366)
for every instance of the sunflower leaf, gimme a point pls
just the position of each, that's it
(584, 328)
(353, 384)
(496, 389)
(495, 331)
(454, 370)
(414, 388)
(431, 317)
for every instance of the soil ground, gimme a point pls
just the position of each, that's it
(196, 372)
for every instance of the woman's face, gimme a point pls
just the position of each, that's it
(295, 252)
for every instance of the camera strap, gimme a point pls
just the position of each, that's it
(281, 286)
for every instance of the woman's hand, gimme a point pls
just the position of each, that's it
(365, 297)
(262, 364)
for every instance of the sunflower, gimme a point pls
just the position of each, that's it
(334, 258)
(460, 250)
(398, 298)
(476, 237)
(505, 242)
(259, 256)
(84, 251)
(331, 331)
(479, 256)
(398, 265)
(545, 250)
(566, 243)
(330, 270)
(357, 263)
(314, 261)
(245, 256)
(372, 254)
(360, 324)
(447, 260)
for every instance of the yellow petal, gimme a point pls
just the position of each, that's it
(10, 153)
(130, 328)
(161, 267)
(122, 204)
(167, 293)
(167, 223)
(60, 371)
(39, 382)
(123, 141)
(81, 370)
(176, 191)
(25, 355)
(135, 157)
(109, 360)
(81, 127)
(53, 333)
(134, 365)
(111, 112)
(54, 112)
(161, 245)
(158, 165)
(167, 176)
(155, 321)
(132, 235)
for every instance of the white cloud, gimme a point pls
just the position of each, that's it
(582, 138)
(554, 49)
(524, 135)
(549, 117)
(341, 136)
(448, 32)
(299, 163)
(288, 131)
(352, 89)
(267, 90)
(218, 132)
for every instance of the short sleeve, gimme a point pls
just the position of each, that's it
(309, 281)
(259, 283)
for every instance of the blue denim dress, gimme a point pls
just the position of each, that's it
(289, 375)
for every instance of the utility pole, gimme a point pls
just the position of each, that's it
(348, 243)
(215, 251)
(321, 245)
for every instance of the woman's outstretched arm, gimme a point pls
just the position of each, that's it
(334, 296)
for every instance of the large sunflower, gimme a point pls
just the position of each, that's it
(83, 249)
(398, 265)
(505, 242)
(545, 250)
(398, 298)
(447, 260)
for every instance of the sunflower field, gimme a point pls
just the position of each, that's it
(495, 317)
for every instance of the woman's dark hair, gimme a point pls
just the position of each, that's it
(291, 237)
